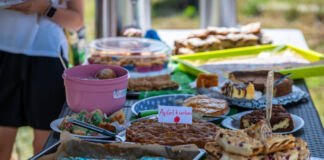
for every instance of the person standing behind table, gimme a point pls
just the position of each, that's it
(31, 86)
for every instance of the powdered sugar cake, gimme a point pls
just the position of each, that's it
(248, 144)
(239, 142)
(216, 152)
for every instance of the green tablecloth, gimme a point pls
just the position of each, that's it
(182, 78)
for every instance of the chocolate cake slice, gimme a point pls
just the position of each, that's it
(259, 79)
(281, 120)
(238, 90)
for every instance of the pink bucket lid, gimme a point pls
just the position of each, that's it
(82, 74)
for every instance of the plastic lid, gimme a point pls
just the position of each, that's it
(127, 46)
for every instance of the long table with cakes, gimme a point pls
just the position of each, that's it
(312, 131)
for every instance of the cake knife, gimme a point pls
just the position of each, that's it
(266, 127)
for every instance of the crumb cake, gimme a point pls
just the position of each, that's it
(216, 152)
(238, 90)
(156, 83)
(258, 78)
(278, 142)
(152, 132)
(286, 155)
(207, 80)
(302, 148)
(239, 142)
(206, 105)
(281, 120)
(273, 142)
(248, 144)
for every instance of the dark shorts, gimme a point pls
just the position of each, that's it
(31, 90)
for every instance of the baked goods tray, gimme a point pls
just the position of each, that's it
(54, 147)
(314, 68)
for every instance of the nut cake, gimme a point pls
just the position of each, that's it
(152, 132)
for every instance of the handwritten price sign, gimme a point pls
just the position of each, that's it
(175, 114)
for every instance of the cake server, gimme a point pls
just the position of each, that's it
(266, 128)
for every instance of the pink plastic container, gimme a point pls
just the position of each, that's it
(83, 93)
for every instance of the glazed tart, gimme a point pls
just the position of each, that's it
(206, 105)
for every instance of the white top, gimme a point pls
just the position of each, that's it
(30, 34)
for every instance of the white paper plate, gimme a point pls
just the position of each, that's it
(235, 124)
(56, 124)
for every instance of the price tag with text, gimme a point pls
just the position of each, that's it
(175, 114)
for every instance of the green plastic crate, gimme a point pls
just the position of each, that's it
(298, 73)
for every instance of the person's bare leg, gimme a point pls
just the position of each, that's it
(40, 137)
(7, 140)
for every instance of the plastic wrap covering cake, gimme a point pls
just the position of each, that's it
(135, 54)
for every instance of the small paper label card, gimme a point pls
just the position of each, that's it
(175, 114)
